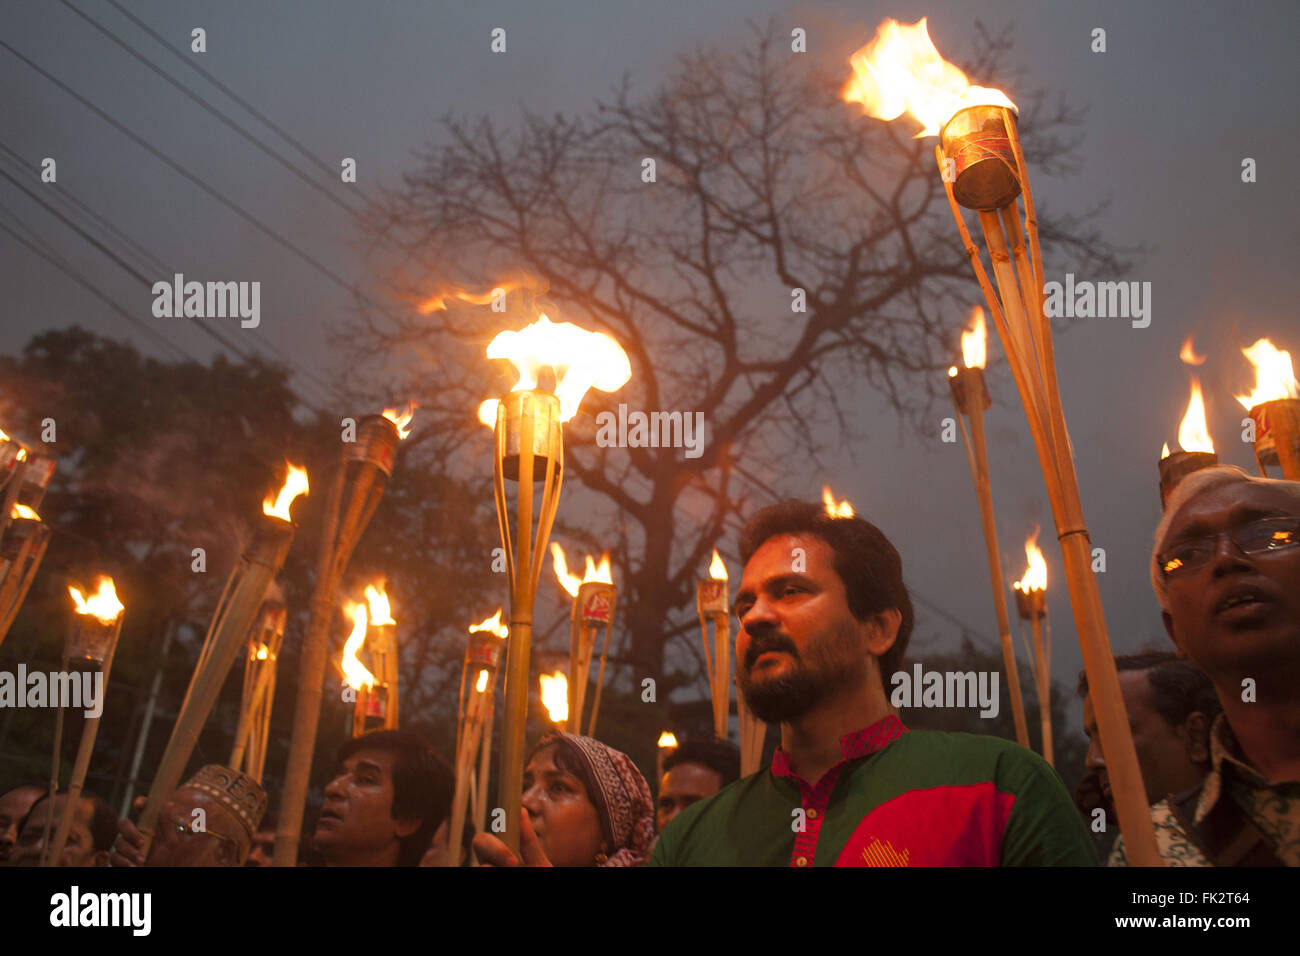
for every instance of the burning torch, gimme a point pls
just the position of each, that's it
(529, 448)
(91, 644)
(713, 603)
(1274, 406)
(594, 599)
(970, 397)
(238, 607)
(253, 730)
(24, 476)
(982, 166)
(363, 472)
(1031, 603)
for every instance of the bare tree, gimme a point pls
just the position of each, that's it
(788, 251)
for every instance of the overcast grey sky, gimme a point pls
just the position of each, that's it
(1183, 92)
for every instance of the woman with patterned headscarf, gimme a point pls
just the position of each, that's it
(585, 804)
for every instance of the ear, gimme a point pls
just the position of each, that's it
(883, 630)
(405, 826)
(1197, 728)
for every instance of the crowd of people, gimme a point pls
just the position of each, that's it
(824, 620)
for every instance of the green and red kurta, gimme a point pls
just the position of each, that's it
(898, 798)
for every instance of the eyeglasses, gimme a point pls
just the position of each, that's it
(184, 829)
(1257, 537)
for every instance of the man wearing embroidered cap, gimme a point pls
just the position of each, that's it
(208, 821)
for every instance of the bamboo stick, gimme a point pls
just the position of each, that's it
(1044, 682)
(600, 680)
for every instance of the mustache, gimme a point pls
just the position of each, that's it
(762, 643)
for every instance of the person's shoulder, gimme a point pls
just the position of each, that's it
(704, 815)
(995, 753)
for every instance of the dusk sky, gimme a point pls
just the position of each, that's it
(1184, 92)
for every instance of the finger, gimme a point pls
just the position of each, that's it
(492, 852)
(530, 848)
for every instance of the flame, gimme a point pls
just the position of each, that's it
(356, 674)
(1164, 451)
(103, 604)
(3, 435)
(263, 652)
(1035, 578)
(22, 454)
(1188, 354)
(295, 484)
(487, 412)
(717, 570)
(22, 511)
(492, 624)
(377, 598)
(1274, 375)
(580, 359)
(438, 302)
(571, 582)
(402, 419)
(481, 684)
(555, 696)
(901, 71)
(667, 740)
(974, 344)
(834, 508)
(1193, 433)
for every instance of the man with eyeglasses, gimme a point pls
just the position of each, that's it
(208, 821)
(1226, 570)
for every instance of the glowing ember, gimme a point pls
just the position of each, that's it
(103, 604)
(22, 454)
(263, 652)
(1188, 354)
(571, 582)
(295, 484)
(492, 625)
(717, 570)
(3, 436)
(481, 684)
(22, 511)
(377, 598)
(1274, 375)
(402, 419)
(667, 740)
(356, 674)
(555, 696)
(580, 359)
(487, 412)
(974, 344)
(1193, 433)
(901, 71)
(834, 508)
(1035, 578)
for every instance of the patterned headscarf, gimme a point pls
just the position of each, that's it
(620, 794)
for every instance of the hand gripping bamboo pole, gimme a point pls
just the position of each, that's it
(529, 446)
(970, 396)
(1025, 330)
(364, 468)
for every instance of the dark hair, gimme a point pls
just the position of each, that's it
(1178, 687)
(865, 560)
(103, 819)
(423, 784)
(570, 760)
(720, 756)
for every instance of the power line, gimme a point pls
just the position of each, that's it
(94, 290)
(162, 267)
(203, 185)
(193, 65)
(176, 84)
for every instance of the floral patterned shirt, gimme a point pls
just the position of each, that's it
(1274, 808)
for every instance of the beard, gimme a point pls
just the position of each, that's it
(832, 665)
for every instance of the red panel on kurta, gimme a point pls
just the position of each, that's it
(941, 826)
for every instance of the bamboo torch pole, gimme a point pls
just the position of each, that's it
(712, 603)
(970, 397)
(258, 567)
(365, 466)
(482, 660)
(988, 175)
